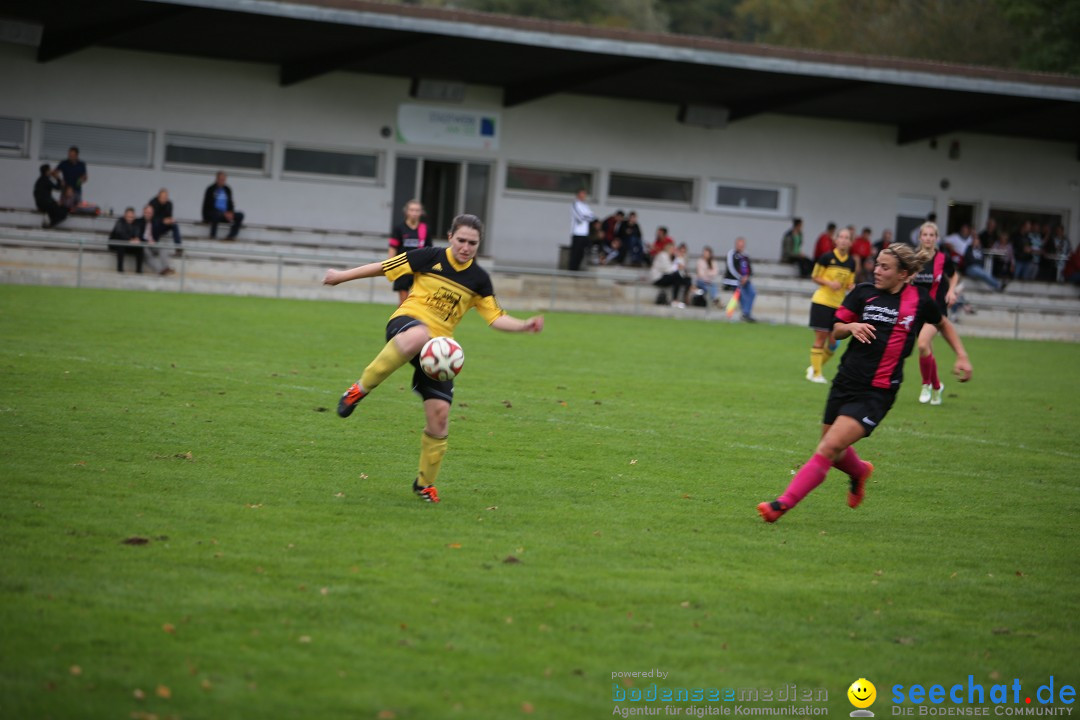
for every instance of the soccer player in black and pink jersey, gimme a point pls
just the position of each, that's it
(884, 318)
(938, 275)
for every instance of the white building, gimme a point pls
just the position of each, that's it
(331, 113)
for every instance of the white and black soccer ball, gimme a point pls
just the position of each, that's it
(442, 358)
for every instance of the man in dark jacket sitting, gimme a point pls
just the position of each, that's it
(44, 200)
(124, 240)
(218, 207)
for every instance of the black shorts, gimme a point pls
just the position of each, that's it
(422, 385)
(403, 283)
(867, 405)
(822, 317)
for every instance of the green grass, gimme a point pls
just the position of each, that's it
(290, 573)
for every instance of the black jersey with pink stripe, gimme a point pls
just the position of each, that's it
(934, 276)
(897, 319)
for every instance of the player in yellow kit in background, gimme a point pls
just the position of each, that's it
(834, 272)
(446, 283)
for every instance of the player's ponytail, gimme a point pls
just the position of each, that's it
(907, 259)
(469, 221)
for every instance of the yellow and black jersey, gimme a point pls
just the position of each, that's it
(442, 289)
(834, 266)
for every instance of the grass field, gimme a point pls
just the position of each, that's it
(597, 517)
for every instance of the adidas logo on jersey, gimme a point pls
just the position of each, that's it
(437, 266)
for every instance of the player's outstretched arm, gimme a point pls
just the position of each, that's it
(962, 367)
(506, 323)
(336, 277)
(863, 332)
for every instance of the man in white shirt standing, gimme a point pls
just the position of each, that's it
(581, 219)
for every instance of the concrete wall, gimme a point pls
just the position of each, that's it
(845, 172)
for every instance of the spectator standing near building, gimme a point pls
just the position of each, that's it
(581, 219)
(737, 275)
(1063, 247)
(883, 242)
(44, 201)
(218, 207)
(72, 172)
(1023, 253)
(163, 216)
(791, 249)
(1056, 247)
(1002, 251)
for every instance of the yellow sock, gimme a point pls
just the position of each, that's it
(385, 363)
(432, 450)
(817, 359)
(828, 354)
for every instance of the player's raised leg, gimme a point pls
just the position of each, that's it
(398, 350)
(836, 439)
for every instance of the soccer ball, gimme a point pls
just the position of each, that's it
(441, 358)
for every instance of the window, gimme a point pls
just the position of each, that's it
(13, 137)
(217, 153)
(648, 187)
(337, 163)
(750, 198)
(105, 145)
(563, 182)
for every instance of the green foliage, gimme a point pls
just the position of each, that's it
(1047, 33)
(1042, 35)
(598, 516)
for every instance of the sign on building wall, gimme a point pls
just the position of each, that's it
(447, 127)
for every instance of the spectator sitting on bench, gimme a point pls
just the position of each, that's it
(44, 200)
(218, 208)
(124, 240)
(163, 215)
(148, 233)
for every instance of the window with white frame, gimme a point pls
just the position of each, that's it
(547, 180)
(651, 187)
(129, 147)
(335, 163)
(14, 137)
(217, 153)
(750, 198)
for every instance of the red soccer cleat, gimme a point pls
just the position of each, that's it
(858, 488)
(349, 400)
(770, 512)
(427, 493)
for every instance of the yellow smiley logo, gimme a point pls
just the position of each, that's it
(862, 693)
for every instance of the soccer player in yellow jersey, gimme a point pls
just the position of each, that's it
(834, 272)
(446, 283)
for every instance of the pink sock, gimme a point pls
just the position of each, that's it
(851, 463)
(925, 368)
(809, 477)
(933, 373)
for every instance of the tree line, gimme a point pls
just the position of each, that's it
(1033, 35)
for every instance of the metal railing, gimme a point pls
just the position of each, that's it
(785, 305)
